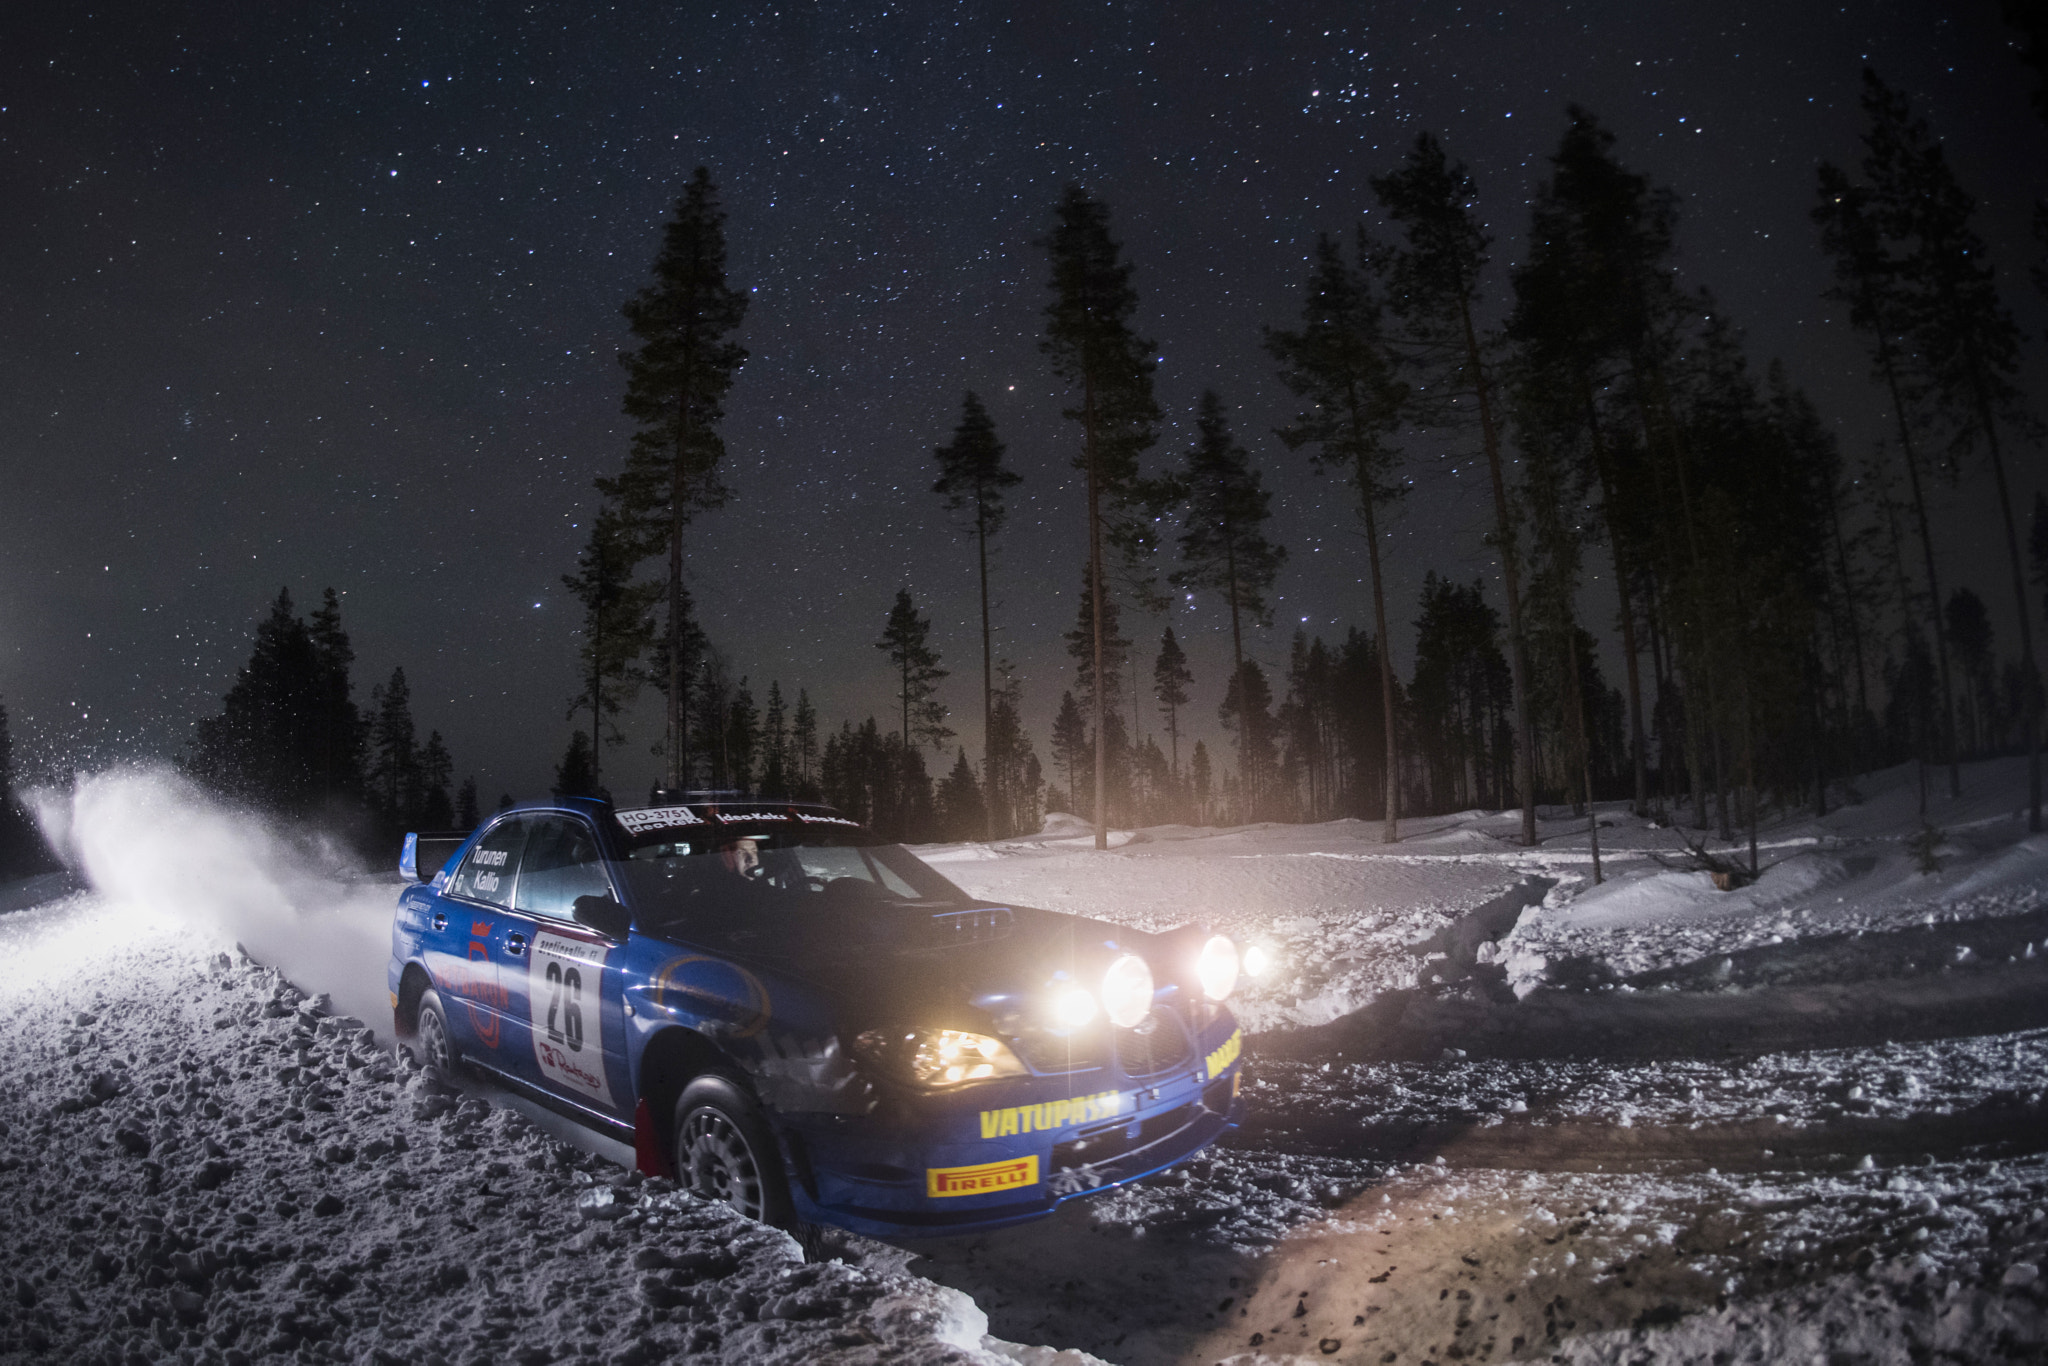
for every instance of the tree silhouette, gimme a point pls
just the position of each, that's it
(1340, 364)
(676, 384)
(1170, 679)
(1965, 337)
(972, 478)
(1089, 340)
(618, 625)
(1436, 286)
(906, 640)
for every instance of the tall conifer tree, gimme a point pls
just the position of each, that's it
(972, 478)
(618, 625)
(1170, 679)
(906, 639)
(1339, 362)
(676, 384)
(1089, 340)
(1965, 337)
(1223, 544)
(1436, 288)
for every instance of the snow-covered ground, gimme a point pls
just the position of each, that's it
(1494, 1112)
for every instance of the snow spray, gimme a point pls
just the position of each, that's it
(151, 842)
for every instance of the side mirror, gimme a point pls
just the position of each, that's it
(603, 914)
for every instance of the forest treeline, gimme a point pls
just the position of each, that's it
(1780, 611)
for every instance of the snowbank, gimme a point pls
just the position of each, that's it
(200, 1159)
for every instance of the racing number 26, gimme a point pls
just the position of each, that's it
(570, 1011)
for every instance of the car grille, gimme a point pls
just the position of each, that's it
(972, 927)
(1156, 1044)
(1048, 1052)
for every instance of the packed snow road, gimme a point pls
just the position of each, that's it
(1493, 1113)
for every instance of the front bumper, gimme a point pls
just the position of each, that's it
(1004, 1155)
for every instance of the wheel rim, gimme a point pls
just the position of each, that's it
(434, 1039)
(718, 1164)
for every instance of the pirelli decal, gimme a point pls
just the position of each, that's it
(940, 1182)
(1226, 1053)
(1054, 1114)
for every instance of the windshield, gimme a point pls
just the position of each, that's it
(740, 873)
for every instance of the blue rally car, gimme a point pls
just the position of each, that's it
(782, 1011)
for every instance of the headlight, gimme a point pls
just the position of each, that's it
(940, 1057)
(1217, 967)
(1257, 961)
(1127, 991)
(1071, 1007)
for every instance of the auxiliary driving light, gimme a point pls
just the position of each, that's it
(1127, 991)
(1257, 962)
(1217, 967)
(1072, 1007)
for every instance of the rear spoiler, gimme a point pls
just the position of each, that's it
(426, 851)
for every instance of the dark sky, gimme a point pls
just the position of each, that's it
(329, 294)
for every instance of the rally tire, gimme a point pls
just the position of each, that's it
(724, 1151)
(432, 1044)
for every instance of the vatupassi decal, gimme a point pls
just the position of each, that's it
(1226, 1053)
(1053, 1114)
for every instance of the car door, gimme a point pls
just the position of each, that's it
(567, 994)
(466, 959)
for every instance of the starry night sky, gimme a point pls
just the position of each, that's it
(329, 295)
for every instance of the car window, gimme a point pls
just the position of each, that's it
(486, 875)
(743, 873)
(561, 863)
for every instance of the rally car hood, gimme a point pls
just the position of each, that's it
(937, 963)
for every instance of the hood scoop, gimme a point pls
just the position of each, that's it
(971, 927)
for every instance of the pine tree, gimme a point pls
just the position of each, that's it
(1340, 364)
(1089, 340)
(467, 816)
(676, 384)
(1247, 712)
(1223, 545)
(775, 777)
(1170, 679)
(1870, 281)
(906, 640)
(803, 745)
(618, 626)
(1965, 337)
(436, 768)
(394, 761)
(1010, 775)
(1199, 778)
(1970, 634)
(972, 478)
(961, 812)
(1592, 300)
(576, 775)
(337, 731)
(269, 744)
(1071, 745)
(742, 736)
(1436, 287)
(1086, 647)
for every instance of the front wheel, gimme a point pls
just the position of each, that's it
(430, 1035)
(724, 1151)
